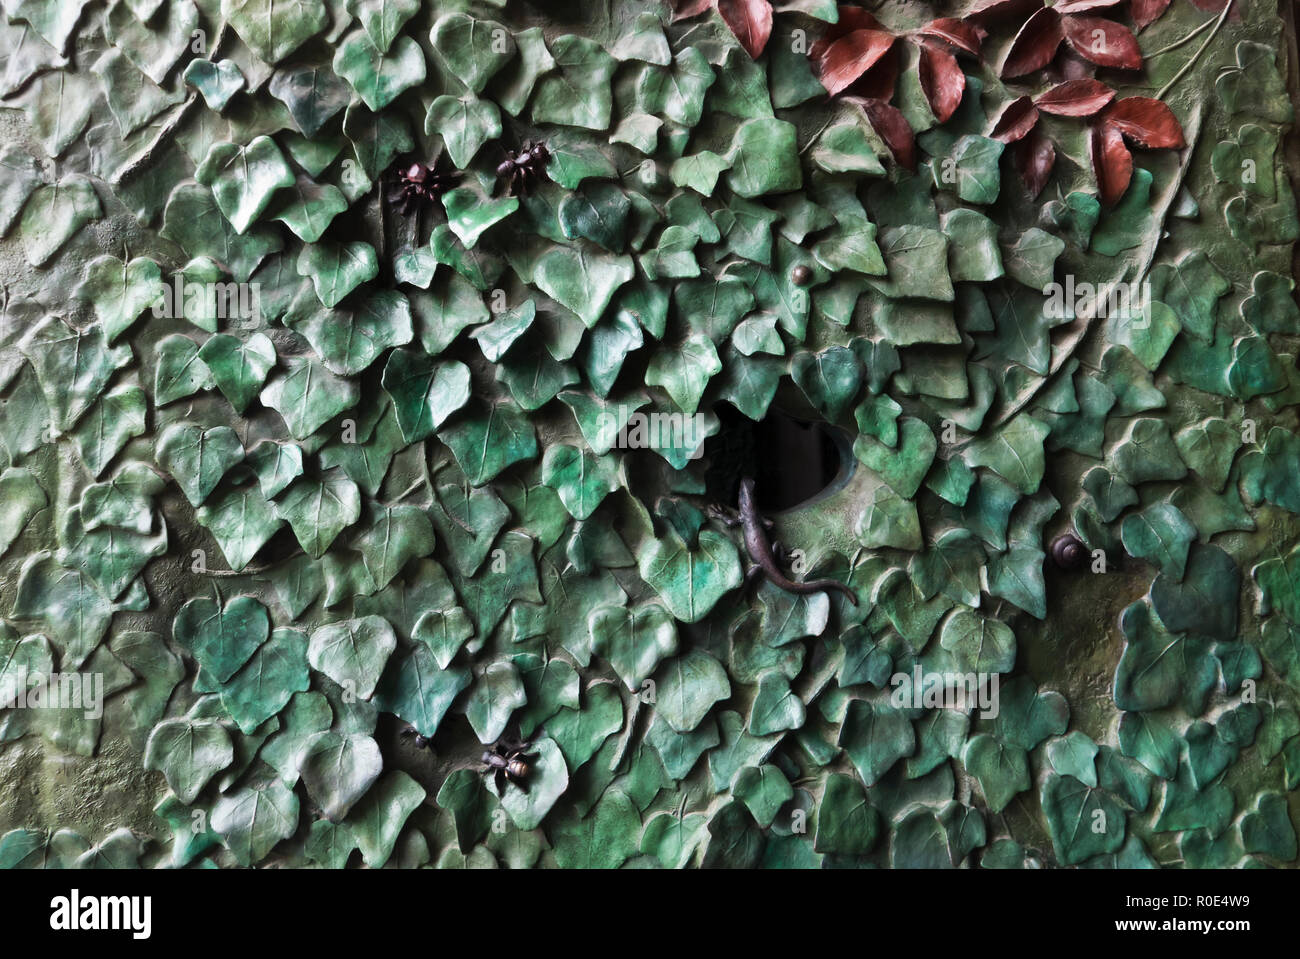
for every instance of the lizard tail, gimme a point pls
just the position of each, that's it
(834, 584)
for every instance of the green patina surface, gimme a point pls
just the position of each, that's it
(395, 497)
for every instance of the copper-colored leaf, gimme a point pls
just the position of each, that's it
(851, 18)
(892, 127)
(1035, 156)
(750, 21)
(878, 82)
(853, 55)
(1035, 44)
(1076, 98)
(1103, 42)
(1147, 122)
(1016, 121)
(685, 9)
(1147, 12)
(942, 81)
(1111, 163)
(960, 34)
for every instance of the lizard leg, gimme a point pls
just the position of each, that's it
(727, 517)
(753, 575)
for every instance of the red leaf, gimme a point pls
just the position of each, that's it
(853, 55)
(750, 21)
(1076, 98)
(1035, 44)
(1016, 121)
(851, 18)
(1147, 12)
(942, 81)
(1035, 156)
(1111, 163)
(890, 125)
(961, 35)
(1147, 122)
(685, 9)
(1083, 6)
(1103, 42)
(878, 82)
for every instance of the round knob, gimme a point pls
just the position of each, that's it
(1068, 551)
(801, 275)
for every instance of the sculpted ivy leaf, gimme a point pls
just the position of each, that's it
(242, 521)
(243, 179)
(188, 753)
(58, 107)
(1014, 453)
(21, 176)
(353, 652)
(275, 31)
(875, 736)
(397, 535)
(903, 468)
(599, 212)
(688, 687)
(194, 222)
(378, 819)
(686, 371)
(490, 438)
(1002, 769)
(1205, 600)
(73, 367)
(548, 779)
(308, 396)
(338, 769)
(776, 708)
(180, 372)
(251, 820)
(472, 50)
(379, 76)
(268, 680)
(581, 478)
(218, 81)
(312, 209)
(54, 214)
(1084, 821)
(583, 280)
(764, 158)
(1017, 576)
(444, 632)
(156, 46)
(198, 458)
(497, 693)
(691, 581)
(673, 839)
(1161, 535)
(348, 340)
(111, 423)
(383, 19)
(238, 368)
(336, 269)
(320, 509)
(632, 639)
(112, 556)
(418, 689)
(465, 124)
(22, 496)
(978, 645)
(312, 94)
(577, 93)
(470, 213)
(1268, 828)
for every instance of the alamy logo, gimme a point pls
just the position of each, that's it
(661, 431)
(225, 301)
(23, 690)
(76, 912)
(961, 691)
(1124, 301)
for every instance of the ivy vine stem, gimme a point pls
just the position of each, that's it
(1227, 7)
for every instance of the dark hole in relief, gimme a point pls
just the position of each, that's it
(792, 460)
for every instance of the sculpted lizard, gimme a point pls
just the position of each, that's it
(761, 551)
